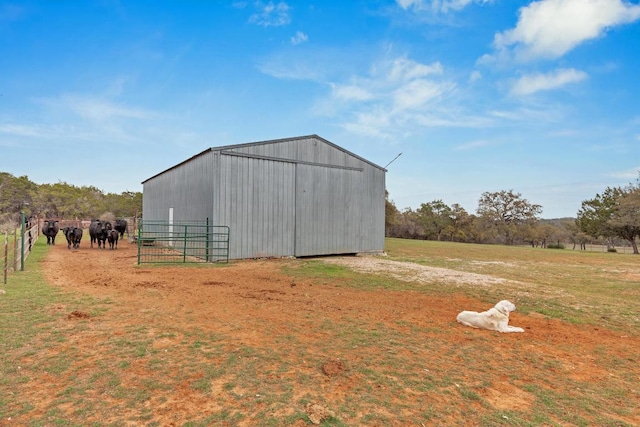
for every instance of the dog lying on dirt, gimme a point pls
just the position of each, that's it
(494, 319)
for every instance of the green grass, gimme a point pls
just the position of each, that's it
(397, 373)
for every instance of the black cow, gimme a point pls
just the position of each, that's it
(121, 226)
(74, 236)
(98, 231)
(112, 238)
(50, 229)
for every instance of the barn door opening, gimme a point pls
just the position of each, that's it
(327, 220)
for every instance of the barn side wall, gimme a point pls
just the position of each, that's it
(187, 189)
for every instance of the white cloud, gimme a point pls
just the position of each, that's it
(406, 69)
(475, 76)
(271, 14)
(21, 130)
(397, 97)
(417, 93)
(300, 37)
(551, 28)
(349, 93)
(438, 6)
(374, 123)
(533, 83)
(406, 4)
(630, 174)
(282, 67)
(97, 109)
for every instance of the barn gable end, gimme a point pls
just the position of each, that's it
(301, 196)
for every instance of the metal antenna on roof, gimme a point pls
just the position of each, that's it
(394, 159)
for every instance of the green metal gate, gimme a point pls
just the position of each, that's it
(182, 242)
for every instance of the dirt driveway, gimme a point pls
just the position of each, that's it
(252, 305)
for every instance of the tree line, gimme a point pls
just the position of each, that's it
(502, 217)
(505, 217)
(61, 200)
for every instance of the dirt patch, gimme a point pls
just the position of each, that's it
(505, 396)
(333, 368)
(404, 360)
(77, 314)
(412, 272)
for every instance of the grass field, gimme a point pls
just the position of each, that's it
(304, 342)
(579, 287)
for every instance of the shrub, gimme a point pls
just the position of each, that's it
(555, 246)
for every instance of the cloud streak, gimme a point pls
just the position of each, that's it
(438, 6)
(98, 110)
(532, 83)
(271, 14)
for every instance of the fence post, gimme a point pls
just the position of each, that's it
(22, 240)
(139, 239)
(184, 252)
(15, 249)
(207, 237)
(6, 255)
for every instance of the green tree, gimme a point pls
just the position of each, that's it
(459, 228)
(508, 213)
(391, 215)
(61, 200)
(625, 219)
(435, 217)
(594, 216)
(16, 195)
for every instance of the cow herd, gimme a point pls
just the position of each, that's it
(100, 232)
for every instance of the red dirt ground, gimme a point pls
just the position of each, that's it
(253, 304)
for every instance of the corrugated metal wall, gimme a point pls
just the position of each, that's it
(255, 198)
(292, 197)
(328, 218)
(187, 189)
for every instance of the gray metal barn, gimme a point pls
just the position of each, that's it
(302, 196)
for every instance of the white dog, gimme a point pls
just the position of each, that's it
(494, 319)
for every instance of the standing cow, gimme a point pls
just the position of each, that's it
(98, 231)
(112, 238)
(121, 226)
(74, 236)
(50, 229)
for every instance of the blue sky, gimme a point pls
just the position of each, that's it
(539, 97)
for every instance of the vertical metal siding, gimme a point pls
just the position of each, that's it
(328, 213)
(188, 189)
(278, 208)
(255, 199)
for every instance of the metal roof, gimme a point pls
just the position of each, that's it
(272, 141)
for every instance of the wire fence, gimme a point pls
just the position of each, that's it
(181, 242)
(17, 247)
